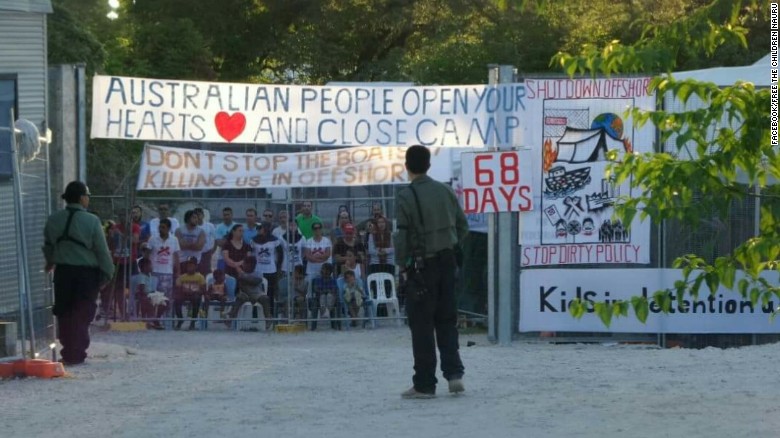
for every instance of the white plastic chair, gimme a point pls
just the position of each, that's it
(378, 292)
(246, 320)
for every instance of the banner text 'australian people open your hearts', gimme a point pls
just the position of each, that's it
(168, 110)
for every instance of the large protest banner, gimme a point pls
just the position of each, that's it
(167, 168)
(547, 294)
(572, 124)
(171, 110)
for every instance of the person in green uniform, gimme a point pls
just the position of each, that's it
(431, 225)
(75, 249)
(305, 219)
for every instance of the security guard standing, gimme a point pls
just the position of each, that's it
(430, 226)
(75, 248)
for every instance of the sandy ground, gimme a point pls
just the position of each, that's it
(348, 384)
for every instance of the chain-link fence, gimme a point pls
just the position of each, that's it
(360, 203)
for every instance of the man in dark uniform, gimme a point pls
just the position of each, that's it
(75, 248)
(430, 225)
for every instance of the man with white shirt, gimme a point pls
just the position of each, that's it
(165, 258)
(164, 210)
(191, 238)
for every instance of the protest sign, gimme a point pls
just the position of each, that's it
(572, 124)
(381, 115)
(167, 168)
(495, 182)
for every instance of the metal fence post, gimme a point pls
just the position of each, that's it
(25, 301)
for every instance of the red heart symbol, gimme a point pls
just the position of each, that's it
(229, 126)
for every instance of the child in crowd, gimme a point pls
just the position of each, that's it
(325, 296)
(190, 286)
(351, 264)
(146, 284)
(300, 290)
(146, 253)
(353, 294)
(250, 290)
(217, 289)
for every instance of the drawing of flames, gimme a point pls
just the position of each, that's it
(549, 155)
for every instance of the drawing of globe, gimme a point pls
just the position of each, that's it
(609, 122)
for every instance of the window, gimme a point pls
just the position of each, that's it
(7, 102)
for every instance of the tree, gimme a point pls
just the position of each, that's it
(70, 42)
(677, 188)
(300, 41)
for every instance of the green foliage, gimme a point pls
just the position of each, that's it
(607, 311)
(70, 43)
(662, 47)
(717, 146)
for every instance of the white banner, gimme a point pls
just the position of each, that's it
(546, 294)
(171, 110)
(495, 182)
(166, 168)
(571, 124)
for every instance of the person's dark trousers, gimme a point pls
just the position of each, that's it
(194, 308)
(120, 281)
(204, 266)
(273, 284)
(433, 318)
(75, 292)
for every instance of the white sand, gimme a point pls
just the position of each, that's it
(347, 384)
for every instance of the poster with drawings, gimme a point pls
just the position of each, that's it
(574, 123)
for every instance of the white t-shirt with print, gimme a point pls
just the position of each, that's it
(318, 248)
(265, 253)
(162, 253)
(293, 255)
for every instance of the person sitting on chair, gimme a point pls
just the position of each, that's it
(353, 295)
(191, 287)
(250, 290)
(217, 290)
(300, 290)
(146, 284)
(325, 295)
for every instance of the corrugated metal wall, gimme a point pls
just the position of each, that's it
(26, 5)
(23, 53)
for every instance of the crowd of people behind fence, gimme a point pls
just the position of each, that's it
(284, 261)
